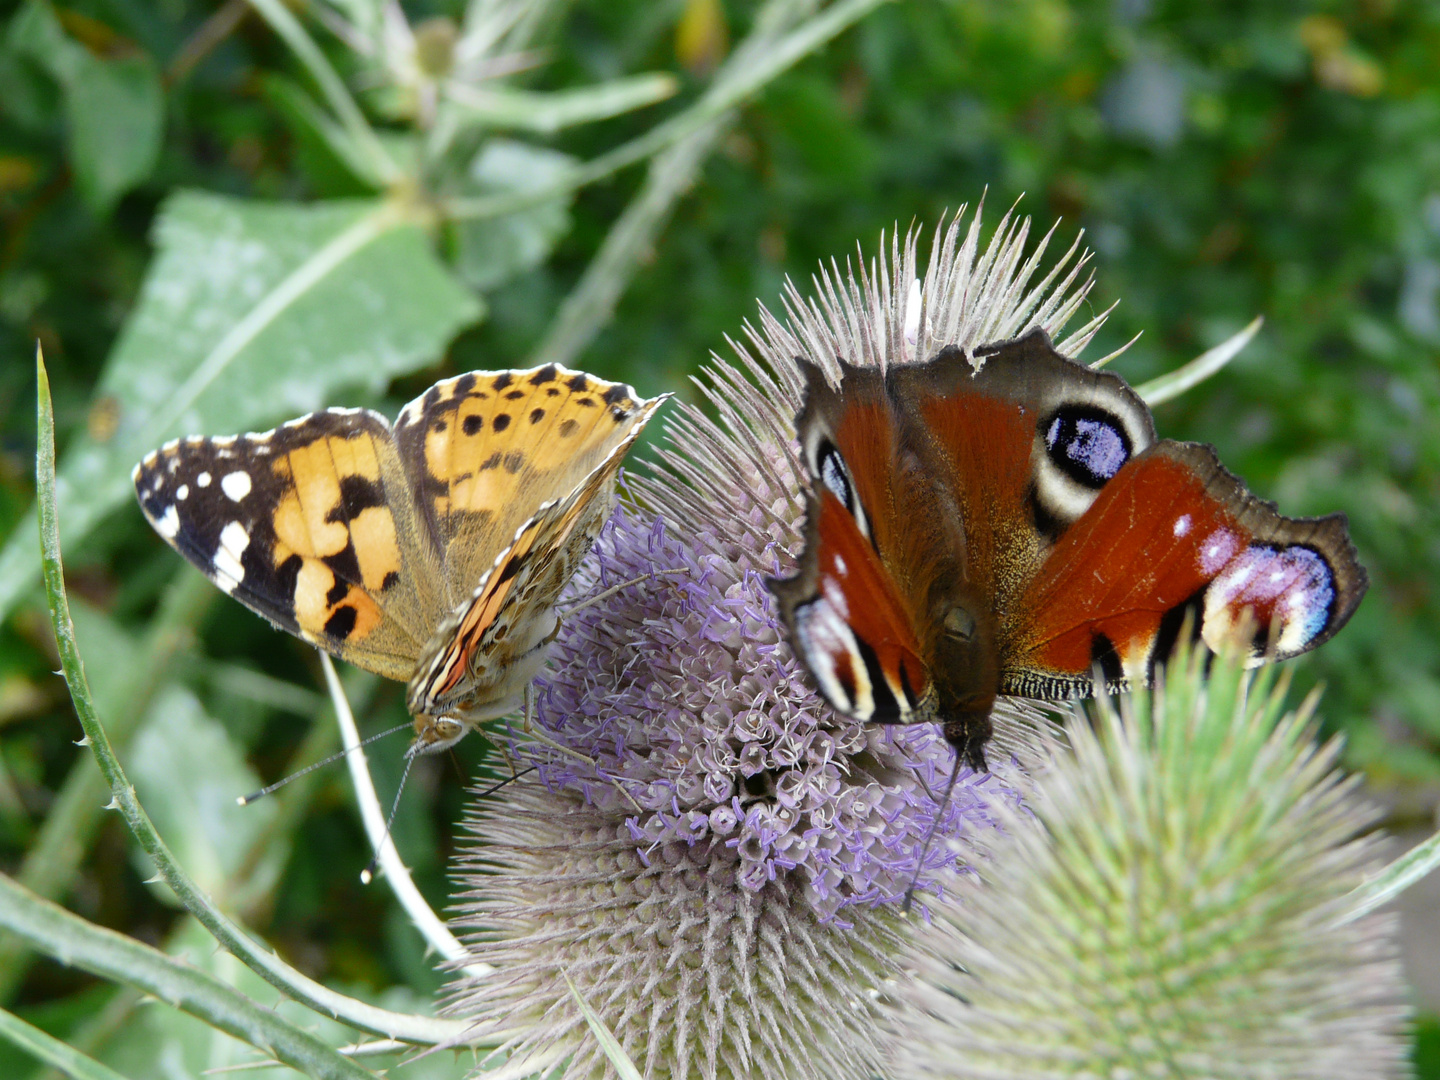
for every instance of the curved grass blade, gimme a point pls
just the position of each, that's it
(1175, 383)
(417, 1029)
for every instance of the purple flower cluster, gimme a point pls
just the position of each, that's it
(684, 693)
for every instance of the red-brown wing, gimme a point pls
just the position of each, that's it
(1019, 441)
(1174, 533)
(853, 631)
(849, 618)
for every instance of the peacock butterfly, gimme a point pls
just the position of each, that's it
(1011, 525)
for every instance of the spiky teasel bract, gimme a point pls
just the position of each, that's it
(1175, 907)
(722, 884)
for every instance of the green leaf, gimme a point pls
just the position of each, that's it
(116, 114)
(28, 98)
(36, 32)
(547, 113)
(188, 773)
(114, 107)
(252, 313)
(1415, 865)
(491, 251)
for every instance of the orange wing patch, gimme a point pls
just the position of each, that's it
(333, 513)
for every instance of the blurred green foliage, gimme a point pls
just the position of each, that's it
(1225, 160)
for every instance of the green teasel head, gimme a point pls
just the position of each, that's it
(1175, 902)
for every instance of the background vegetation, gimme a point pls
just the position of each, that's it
(1224, 160)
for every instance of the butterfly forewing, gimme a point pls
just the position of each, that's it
(1015, 526)
(309, 525)
(847, 614)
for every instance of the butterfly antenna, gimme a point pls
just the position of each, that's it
(934, 825)
(508, 780)
(246, 800)
(368, 874)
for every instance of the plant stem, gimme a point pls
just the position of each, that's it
(53, 862)
(592, 302)
(673, 172)
(215, 29)
(359, 1014)
(76, 943)
(430, 925)
(716, 101)
(331, 85)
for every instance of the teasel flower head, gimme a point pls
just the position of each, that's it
(718, 861)
(1174, 904)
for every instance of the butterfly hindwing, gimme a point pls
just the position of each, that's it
(1175, 535)
(308, 525)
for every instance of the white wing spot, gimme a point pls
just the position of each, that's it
(840, 567)
(203, 480)
(1182, 525)
(228, 568)
(236, 485)
(182, 492)
(168, 523)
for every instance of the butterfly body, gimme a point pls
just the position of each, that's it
(1010, 524)
(432, 551)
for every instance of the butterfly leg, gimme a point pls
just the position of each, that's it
(505, 753)
(535, 736)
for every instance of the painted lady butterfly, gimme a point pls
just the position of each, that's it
(432, 552)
